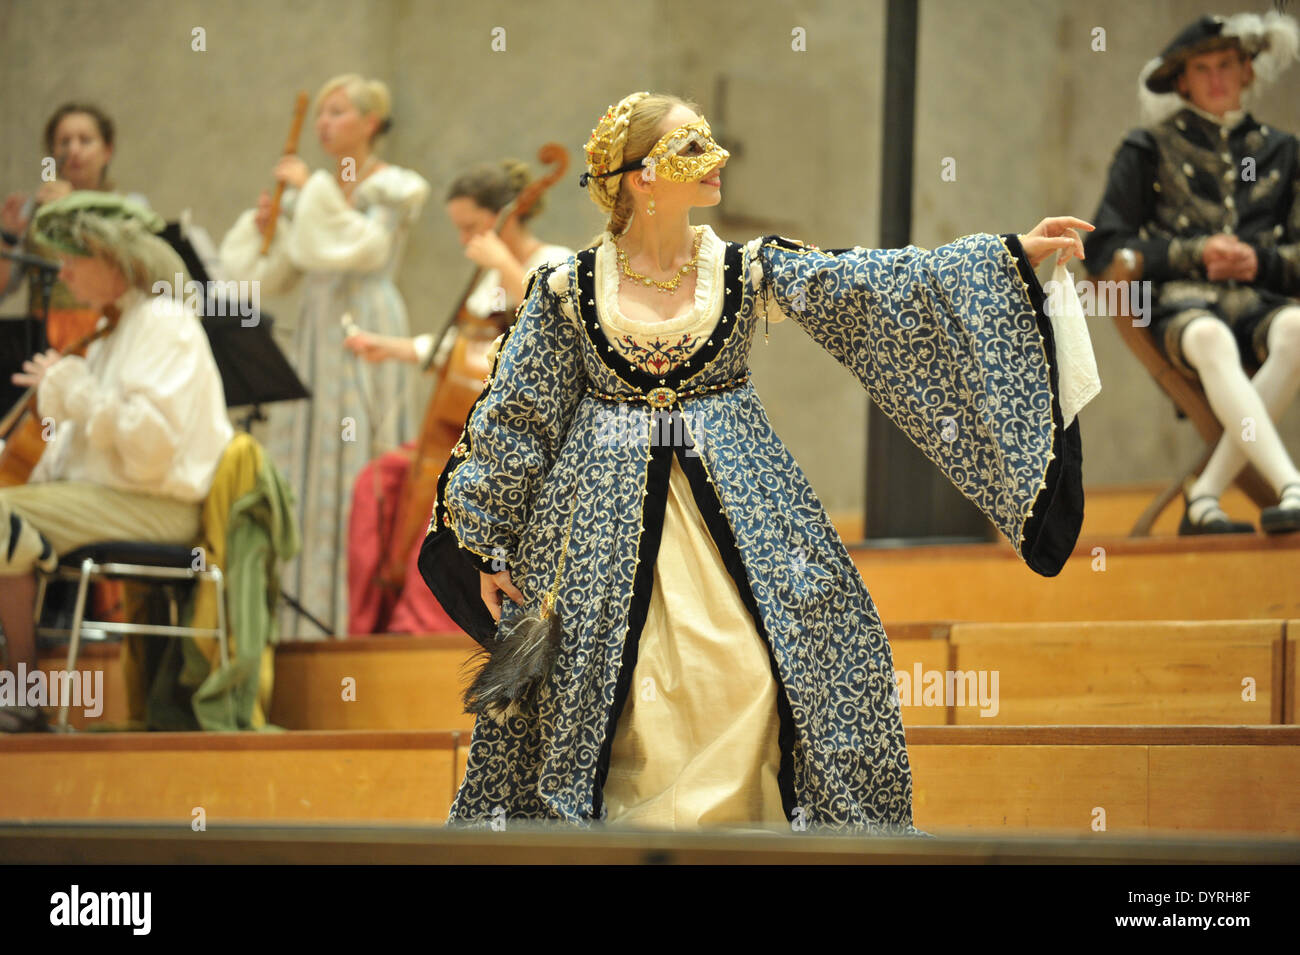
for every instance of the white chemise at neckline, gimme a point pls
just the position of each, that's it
(708, 289)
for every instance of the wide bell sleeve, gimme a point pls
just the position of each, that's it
(953, 345)
(511, 440)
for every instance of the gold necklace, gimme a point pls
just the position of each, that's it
(669, 286)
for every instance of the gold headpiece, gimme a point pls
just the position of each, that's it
(605, 151)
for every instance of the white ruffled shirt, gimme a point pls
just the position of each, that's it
(143, 411)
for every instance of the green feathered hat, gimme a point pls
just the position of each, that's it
(68, 225)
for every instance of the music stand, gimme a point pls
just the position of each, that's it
(254, 371)
(173, 234)
(22, 336)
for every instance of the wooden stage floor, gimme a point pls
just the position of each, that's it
(521, 844)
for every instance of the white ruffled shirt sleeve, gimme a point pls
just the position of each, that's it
(328, 234)
(143, 411)
(241, 250)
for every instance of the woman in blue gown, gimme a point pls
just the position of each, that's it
(722, 663)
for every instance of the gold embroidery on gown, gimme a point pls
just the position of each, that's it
(697, 743)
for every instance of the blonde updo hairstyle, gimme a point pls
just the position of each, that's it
(370, 97)
(493, 186)
(631, 130)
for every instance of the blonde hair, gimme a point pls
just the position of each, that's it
(631, 130)
(494, 186)
(370, 97)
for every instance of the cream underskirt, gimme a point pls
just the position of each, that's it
(697, 744)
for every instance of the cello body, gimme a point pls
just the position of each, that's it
(457, 389)
(23, 448)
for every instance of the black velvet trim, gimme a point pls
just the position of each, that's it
(451, 572)
(652, 526)
(627, 371)
(454, 580)
(15, 530)
(794, 246)
(1057, 516)
(706, 499)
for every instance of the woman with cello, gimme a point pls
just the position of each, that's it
(342, 231)
(491, 207)
(134, 430)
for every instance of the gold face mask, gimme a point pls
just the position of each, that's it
(686, 154)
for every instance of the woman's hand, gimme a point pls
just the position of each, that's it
(488, 251)
(11, 218)
(490, 584)
(291, 171)
(34, 369)
(49, 191)
(373, 347)
(263, 216)
(1054, 234)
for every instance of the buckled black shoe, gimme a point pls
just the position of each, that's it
(1214, 521)
(1283, 517)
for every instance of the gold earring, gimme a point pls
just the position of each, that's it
(650, 209)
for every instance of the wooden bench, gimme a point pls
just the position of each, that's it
(1099, 672)
(1211, 577)
(1064, 779)
(1229, 672)
(1125, 778)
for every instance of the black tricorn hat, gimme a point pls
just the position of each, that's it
(1203, 36)
(1248, 33)
(1270, 40)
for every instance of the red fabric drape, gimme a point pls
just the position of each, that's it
(372, 608)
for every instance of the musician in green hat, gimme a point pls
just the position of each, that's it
(134, 429)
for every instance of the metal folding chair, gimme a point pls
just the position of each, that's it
(164, 564)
